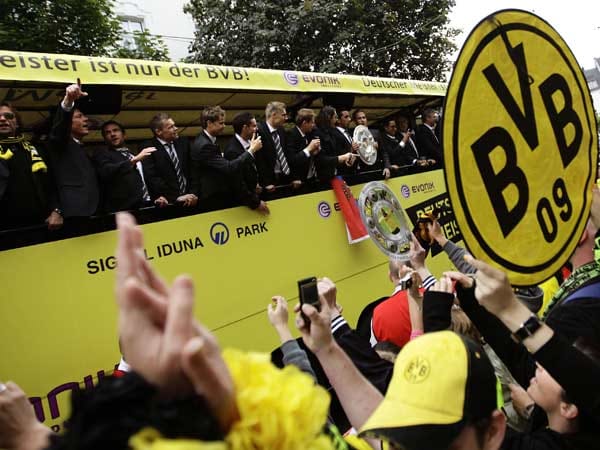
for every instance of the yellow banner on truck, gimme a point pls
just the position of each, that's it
(58, 314)
(23, 66)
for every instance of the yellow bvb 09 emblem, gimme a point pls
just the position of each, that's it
(520, 146)
(417, 370)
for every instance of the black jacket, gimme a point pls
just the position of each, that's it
(121, 183)
(428, 144)
(327, 158)
(296, 143)
(214, 175)
(342, 146)
(76, 181)
(393, 153)
(161, 177)
(267, 156)
(245, 186)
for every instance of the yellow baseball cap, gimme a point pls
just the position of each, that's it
(441, 382)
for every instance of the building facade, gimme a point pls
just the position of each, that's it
(165, 19)
(592, 77)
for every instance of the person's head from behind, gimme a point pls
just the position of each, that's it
(461, 324)
(276, 114)
(327, 117)
(213, 120)
(113, 133)
(163, 127)
(442, 396)
(398, 269)
(244, 124)
(305, 120)
(9, 120)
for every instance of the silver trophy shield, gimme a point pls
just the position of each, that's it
(385, 220)
(366, 145)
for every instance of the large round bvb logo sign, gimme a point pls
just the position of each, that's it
(520, 146)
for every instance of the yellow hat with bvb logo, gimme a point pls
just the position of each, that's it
(441, 382)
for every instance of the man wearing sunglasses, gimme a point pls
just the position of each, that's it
(27, 195)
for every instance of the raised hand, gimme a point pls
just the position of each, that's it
(73, 93)
(143, 154)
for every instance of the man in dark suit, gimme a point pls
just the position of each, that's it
(359, 117)
(211, 172)
(303, 146)
(120, 171)
(343, 140)
(78, 190)
(427, 142)
(247, 187)
(393, 154)
(272, 163)
(167, 170)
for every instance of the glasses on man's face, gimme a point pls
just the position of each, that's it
(7, 115)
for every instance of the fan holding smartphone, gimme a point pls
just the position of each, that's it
(309, 294)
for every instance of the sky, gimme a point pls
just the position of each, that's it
(577, 21)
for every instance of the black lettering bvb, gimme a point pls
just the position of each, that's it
(554, 91)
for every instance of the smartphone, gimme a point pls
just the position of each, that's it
(308, 293)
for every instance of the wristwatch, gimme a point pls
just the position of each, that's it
(527, 328)
(58, 211)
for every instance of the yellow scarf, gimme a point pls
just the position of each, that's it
(37, 163)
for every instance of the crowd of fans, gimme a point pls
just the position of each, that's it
(462, 362)
(60, 179)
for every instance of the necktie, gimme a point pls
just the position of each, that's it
(311, 164)
(348, 137)
(413, 146)
(173, 155)
(280, 156)
(127, 154)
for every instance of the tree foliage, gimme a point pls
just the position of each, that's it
(406, 39)
(76, 27)
(79, 27)
(145, 46)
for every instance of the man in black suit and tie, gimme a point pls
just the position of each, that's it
(303, 146)
(398, 153)
(405, 136)
(167, 170)
(343, 140)
(211, 172)
(76, 181)
(248, 189)
(272, 163)
(427, 142)
(120, 171)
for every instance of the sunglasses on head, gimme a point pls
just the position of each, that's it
(7, 115)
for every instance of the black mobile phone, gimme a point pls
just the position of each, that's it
(308, 293)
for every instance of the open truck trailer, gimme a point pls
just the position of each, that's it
(58, 318)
